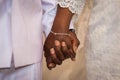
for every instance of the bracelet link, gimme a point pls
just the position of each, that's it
(64, 34)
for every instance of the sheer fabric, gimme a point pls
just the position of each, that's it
(75, 6)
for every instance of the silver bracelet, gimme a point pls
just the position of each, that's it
(64, 34)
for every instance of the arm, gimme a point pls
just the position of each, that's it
(50, 7)
(62, 20)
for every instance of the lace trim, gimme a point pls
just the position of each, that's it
(75, 6)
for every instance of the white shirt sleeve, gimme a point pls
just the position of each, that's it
(49, 12)
(50, 8)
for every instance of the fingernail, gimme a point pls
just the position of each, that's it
(63, 44)
(57, 43)
(52, 51)
(52, 65)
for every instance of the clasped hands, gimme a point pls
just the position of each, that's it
(57, 48)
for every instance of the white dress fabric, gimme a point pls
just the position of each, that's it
(75, 6)
(103, 41)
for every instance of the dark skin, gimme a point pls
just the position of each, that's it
(60, 47)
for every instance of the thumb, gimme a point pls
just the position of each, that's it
(75, 41)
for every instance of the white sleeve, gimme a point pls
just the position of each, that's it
(49, 11)
(75, 6)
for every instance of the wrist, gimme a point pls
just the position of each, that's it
(59, 34)
(62, 20)
(60, 28)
